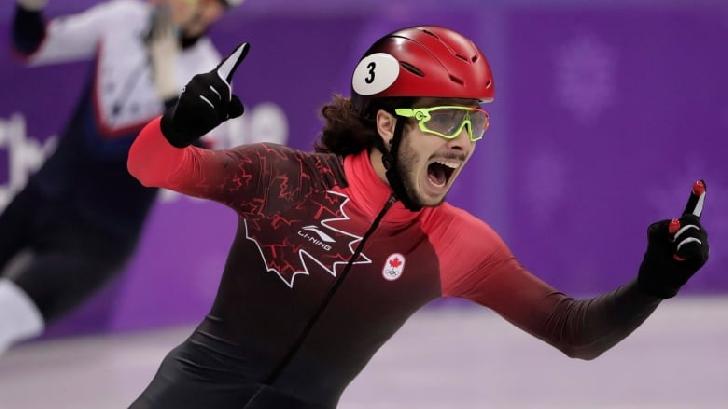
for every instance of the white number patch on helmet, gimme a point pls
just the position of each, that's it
(374, 74)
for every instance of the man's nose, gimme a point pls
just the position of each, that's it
(461, 142)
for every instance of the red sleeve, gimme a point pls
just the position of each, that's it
(233, 177)
(481, 268)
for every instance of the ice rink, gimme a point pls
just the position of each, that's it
(449, 358)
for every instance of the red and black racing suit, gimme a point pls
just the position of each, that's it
(269, 342)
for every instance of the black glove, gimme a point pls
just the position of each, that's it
(205, 102)
(29, 29)
(676, 249)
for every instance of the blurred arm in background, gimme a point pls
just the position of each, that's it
(62, 39)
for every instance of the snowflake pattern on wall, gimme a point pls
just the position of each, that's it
(585, 76)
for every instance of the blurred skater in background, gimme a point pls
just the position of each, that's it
(79, 218)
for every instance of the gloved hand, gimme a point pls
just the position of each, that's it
(32, 5)
(676, 249)
(206, 102)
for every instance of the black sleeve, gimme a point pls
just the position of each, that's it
(587, 328)
(28, 30)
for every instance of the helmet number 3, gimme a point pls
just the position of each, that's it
(374, 74)
(370, 75)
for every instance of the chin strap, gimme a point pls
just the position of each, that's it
(390, 162)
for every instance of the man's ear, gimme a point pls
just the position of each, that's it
(385, 125)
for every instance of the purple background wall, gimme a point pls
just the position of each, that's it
(604, 116)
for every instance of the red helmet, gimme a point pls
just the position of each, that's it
(422, 62)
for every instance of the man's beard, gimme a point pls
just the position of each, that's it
(406, 166)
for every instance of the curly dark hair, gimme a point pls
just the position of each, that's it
(347, 131)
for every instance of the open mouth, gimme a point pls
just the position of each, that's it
(439, 172)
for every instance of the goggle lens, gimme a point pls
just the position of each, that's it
(448, 122)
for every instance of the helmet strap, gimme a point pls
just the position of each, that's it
(390, 159)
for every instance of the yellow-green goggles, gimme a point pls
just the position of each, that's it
(448, 121)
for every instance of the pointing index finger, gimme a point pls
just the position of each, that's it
(697, 198)
(227, 67)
